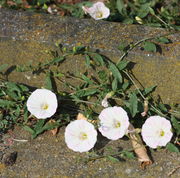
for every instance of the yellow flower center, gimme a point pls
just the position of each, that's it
(83, 136)
(117, 124)
(99, 14)
(162, 133)
(45, 106)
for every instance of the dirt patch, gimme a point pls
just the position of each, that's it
(48, 156)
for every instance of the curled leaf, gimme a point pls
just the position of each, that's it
(139, 148)
(145, 108)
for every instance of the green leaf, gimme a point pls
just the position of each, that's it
(162, 107)
(87, 60)
(47, 126)
(125, 85)
(143, 11)
(12, 95)
(102, 75)
(163, 40)
(151, 11)
(78, 49)
(122, 64)
(86, 92)
(86, 79)
(48, 81)
(128, 154)
(171, 147)
(149, 46)
(114, 84)
(115, 72)
(176, 125)
(111, 158)
(99, 59)
(56, 60)
(122, 46)
(6, 103)
(39, 125)
(13, 87)
(149, 90)
(25, 114)
(128, 21)
(3, 66)
(23, 88)
(133, 101)
(120, 6)
(50, 126)
(27, 128)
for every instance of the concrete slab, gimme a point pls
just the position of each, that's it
(25, 36)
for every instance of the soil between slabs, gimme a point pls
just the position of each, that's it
(48, 156)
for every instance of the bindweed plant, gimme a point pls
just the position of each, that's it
(156, 13)
(103, 92)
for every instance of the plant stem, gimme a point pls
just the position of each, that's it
(83, 101)
(161, 20)
(141, 41)
(139, 91)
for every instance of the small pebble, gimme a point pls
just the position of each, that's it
(10, 158)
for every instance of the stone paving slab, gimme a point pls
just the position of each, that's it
(24, 36)
(47, 156)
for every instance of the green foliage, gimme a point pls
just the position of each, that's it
(3, 66)
(40, 127)
(100, 76)
(128, 154)
(171, 147)
(176, 125)
(115, 72)
(133, 104)
(12, 99)
(149, 46)
(113, 159)
(75, 10)
(155, 13)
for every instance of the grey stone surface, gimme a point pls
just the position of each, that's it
(24, 36)
(47, 156)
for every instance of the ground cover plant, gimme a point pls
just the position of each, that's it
(105, 98)
(157, 13)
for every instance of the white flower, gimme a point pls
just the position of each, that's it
(97, 11)
(80, 135)
(104, 103)
(156, 131)
(42, 103)
(114, 122)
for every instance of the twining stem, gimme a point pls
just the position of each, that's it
(161, 20)
(113, 155)
(82, 101)
(104, 156)
(139, 91)
(141, 41)
(129, 76)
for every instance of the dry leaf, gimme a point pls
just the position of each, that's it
(139, 148)
(82, 117)
(55, 130)
(145, 108)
